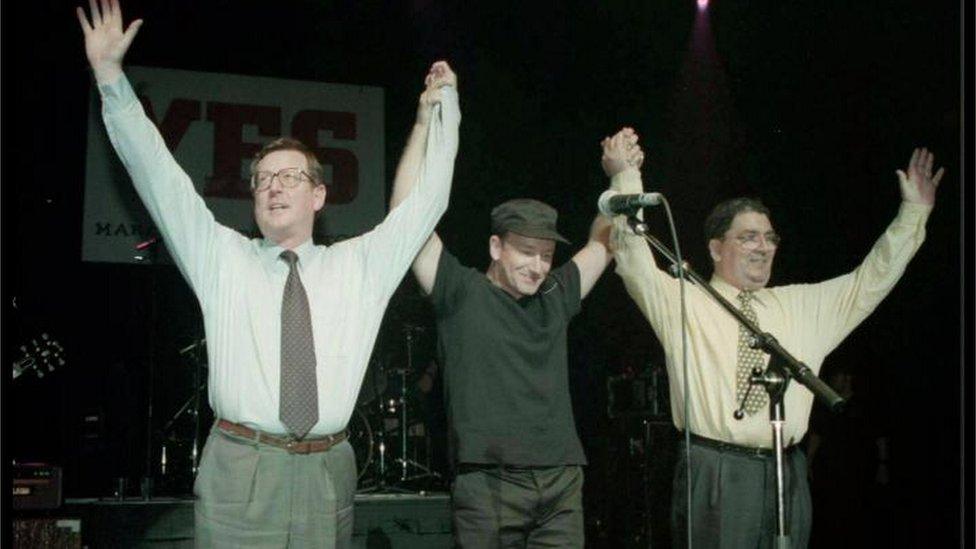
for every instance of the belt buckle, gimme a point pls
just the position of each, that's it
(296, 446)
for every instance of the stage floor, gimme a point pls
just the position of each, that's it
(382, 520)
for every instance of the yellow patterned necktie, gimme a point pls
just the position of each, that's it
(748, 358)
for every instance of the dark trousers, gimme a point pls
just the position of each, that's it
(733, 499)
(503, 506)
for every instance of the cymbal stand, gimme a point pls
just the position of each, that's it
(192, 405)
(404, 460)
(380, 485)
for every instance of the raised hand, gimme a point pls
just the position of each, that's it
(918, 185)
(105, 42)
(621, 152)
(440, 75)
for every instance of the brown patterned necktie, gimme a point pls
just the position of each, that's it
(298, 400)
(748, 358)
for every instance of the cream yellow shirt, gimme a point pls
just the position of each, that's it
(809, 320)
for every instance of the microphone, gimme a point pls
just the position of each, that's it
(612, 203)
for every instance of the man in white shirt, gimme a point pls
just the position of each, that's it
(290, 325)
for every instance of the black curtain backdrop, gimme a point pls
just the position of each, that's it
(810, 105)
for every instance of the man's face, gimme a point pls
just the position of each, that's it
(286, 215)
(522, 262)
(744, 256)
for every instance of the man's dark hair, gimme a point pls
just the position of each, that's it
(722, 215)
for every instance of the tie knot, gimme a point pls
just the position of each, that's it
(290, 257)
(746, 296)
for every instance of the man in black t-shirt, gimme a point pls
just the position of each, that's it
(502, 341)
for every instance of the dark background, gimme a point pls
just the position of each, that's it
(811, 106)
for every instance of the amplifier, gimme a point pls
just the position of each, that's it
(36, 486)
(644, 394)
(49, 533)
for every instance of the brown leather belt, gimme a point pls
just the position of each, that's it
(294, 446)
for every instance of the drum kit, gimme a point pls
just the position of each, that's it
(387, 430)
(390, 436)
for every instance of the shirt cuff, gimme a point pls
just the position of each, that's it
(450, 107)
(117, 95)
(627, 182)
(449, 93)
(913, 213)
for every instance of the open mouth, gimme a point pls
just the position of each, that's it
(274, 207)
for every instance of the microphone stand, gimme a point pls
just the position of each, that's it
(782, 366)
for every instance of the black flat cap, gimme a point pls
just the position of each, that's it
(526, 217)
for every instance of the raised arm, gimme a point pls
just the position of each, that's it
(178, 211)
(654, 291)
(838, 305)
(422, 184)
(411, 163)
(620, 152)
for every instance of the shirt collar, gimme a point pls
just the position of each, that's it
(731, 293)
(270, 252)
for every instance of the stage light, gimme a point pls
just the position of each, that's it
(702, 4)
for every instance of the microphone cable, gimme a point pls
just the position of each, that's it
(678, 270)
(679, 267)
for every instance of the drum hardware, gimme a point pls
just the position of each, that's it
(172, 446)
(149, 253)
(394, 417)
(361, 438)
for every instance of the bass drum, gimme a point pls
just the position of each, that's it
(361, 438)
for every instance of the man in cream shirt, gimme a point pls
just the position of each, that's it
(732, 467)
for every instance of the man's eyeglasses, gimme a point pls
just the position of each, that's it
(751, 240)
(288, 177)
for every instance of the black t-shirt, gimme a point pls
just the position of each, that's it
(505, 369)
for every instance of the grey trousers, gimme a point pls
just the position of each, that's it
(255, 495)
(733, 499)
(495, 507)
